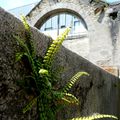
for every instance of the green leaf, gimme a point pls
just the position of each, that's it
(29, 105)
(43, 72)
(53, 49)
(70, 98)
(93, 117)
(27, 27)
(19, 56)
(28, 34)
(73, 80)
(20, 41)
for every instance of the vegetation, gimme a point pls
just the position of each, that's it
(41, 80)
(100, 116)
(100, 8)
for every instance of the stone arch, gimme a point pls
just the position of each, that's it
(81, 11)
(41, 13)
(50, 14)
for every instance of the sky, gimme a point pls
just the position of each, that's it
(10, 4)
(112, 0)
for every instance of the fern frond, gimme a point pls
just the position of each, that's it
(27, 52)
(28, 37)
(64, 98)
(38, 62)
(54, 47)
(30, 77)
(29, 105)
(43, 72)
(26, 25)
(71, 99)
(57, 95)
(95, 117)
(22, 44)
(19, 56)
(73, 80)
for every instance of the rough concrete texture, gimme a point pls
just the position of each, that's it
(78, 45)
(98, 93)
(102, 37)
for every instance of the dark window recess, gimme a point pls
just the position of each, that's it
(113, 15)
(50, 28)
(63, 26)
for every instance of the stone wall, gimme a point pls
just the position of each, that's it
(98, 93)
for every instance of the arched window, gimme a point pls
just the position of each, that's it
(57, 24)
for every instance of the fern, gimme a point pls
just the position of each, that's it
(73, 80)
(64, 98)
(19, 56)
(28, 34)
(28, 51)
(41, 78)
(54, 47)
(30, 105)
(27, 27)
(96, 117)
(71, 99)
(22, 44)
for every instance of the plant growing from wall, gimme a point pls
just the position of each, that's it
(41, 80)
(100, 8)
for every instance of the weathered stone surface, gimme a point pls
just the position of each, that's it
(98, 93)
(10, 71)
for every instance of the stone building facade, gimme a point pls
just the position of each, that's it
(100, 44)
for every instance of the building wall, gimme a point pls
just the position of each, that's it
(101, 45)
